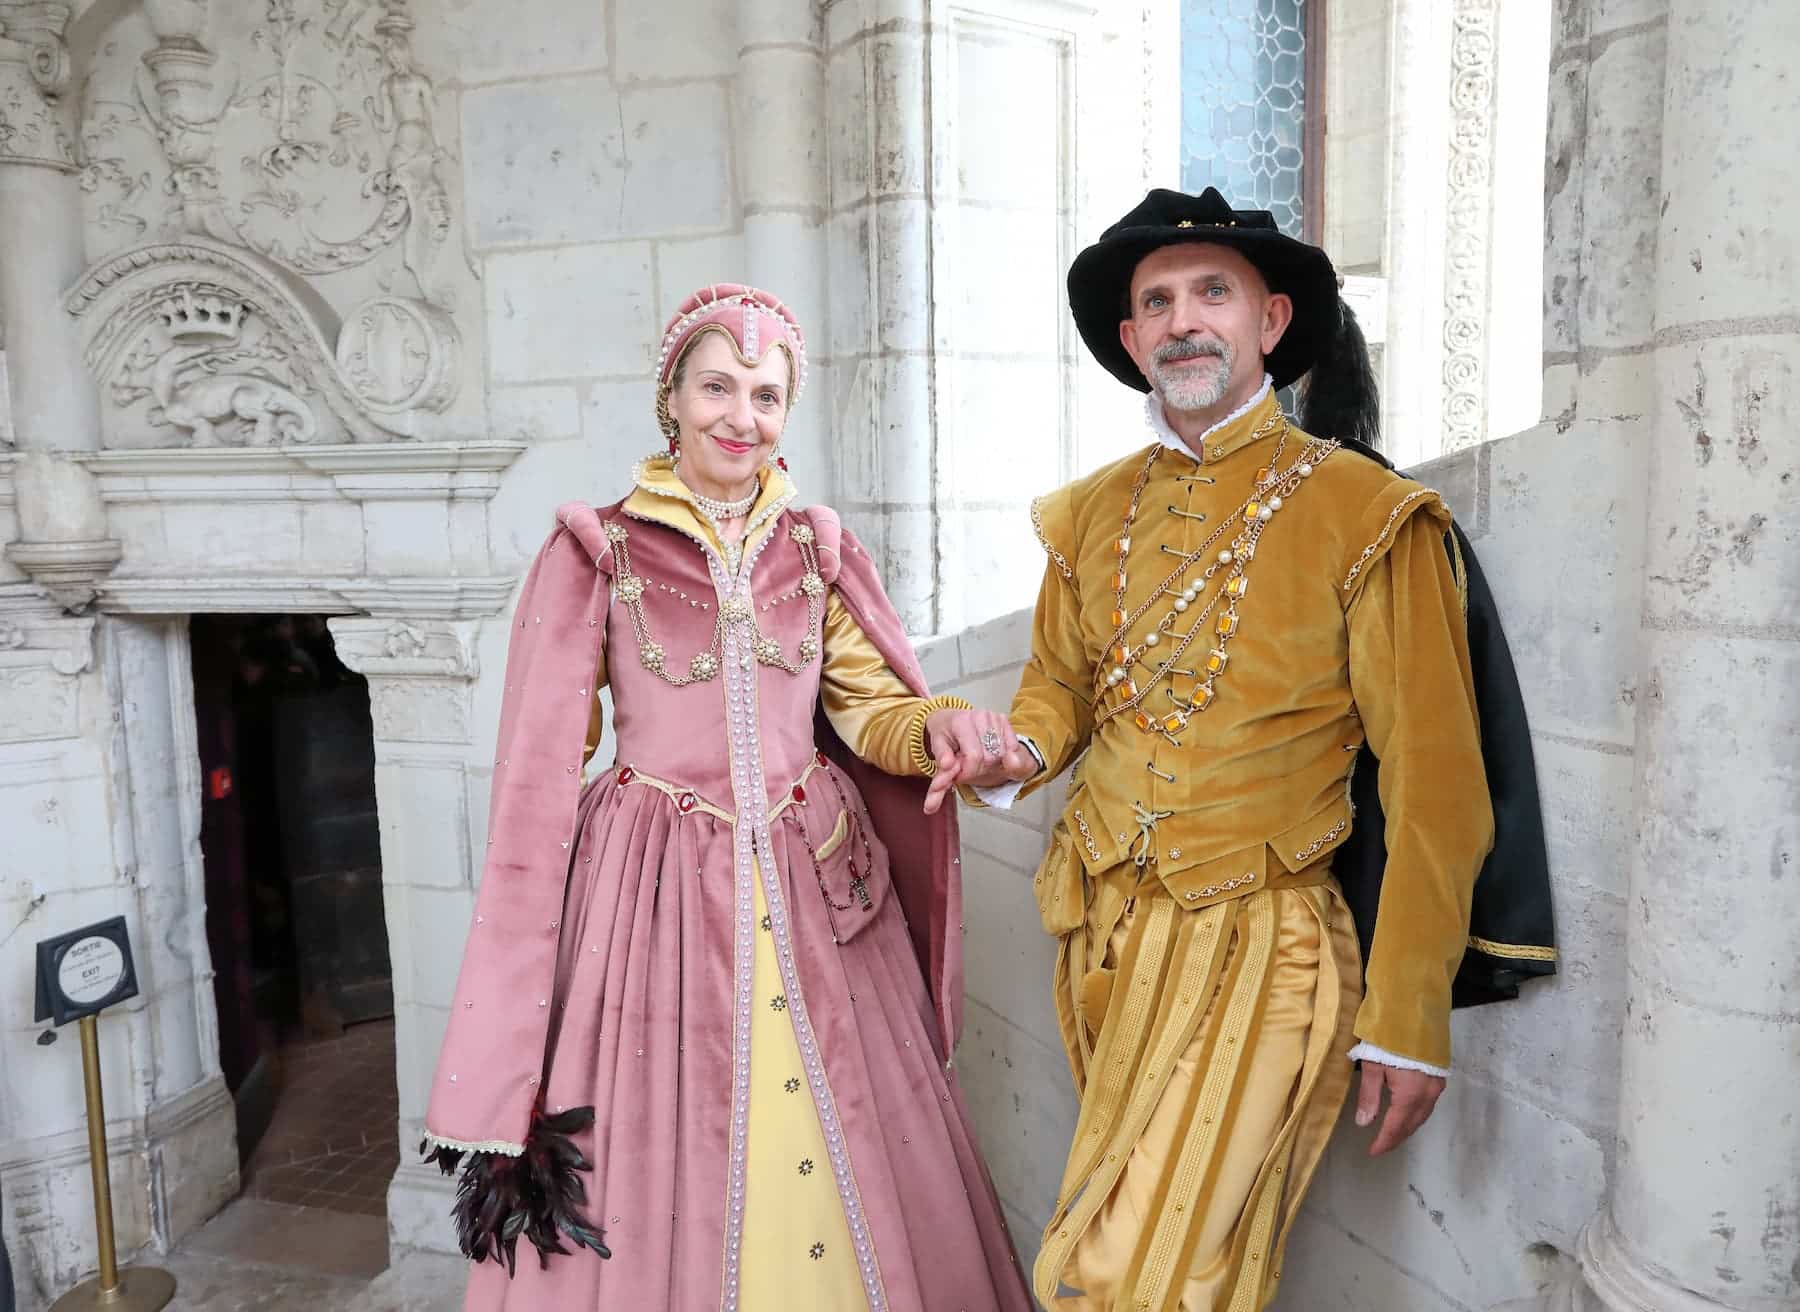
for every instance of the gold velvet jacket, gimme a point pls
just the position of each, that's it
(1348, 629)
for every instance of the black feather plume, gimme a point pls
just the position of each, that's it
(538, 1195)
(1341, 399)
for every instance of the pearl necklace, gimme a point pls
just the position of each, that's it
(719, 510)
(1115, 676)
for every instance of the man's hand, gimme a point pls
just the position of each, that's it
(1411, 1097)
(978, 748)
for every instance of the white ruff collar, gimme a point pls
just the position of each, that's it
(1159, 423)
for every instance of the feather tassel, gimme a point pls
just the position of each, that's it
(538, 1195)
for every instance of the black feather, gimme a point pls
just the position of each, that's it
(1341, 399)
(538, 1195)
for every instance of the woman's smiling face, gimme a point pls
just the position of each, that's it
(730, 414)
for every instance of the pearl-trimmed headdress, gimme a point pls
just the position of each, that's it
(754, 319)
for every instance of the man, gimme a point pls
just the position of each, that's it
(1228, 617)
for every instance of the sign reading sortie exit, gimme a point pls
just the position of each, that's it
(83, 972)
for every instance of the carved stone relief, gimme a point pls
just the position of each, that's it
(421, 675)
(301, 134)
(199, 344)
(34, 73)
(1470, 213)
(41, 661)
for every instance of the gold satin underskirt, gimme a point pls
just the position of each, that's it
(797, 1254)
(1209, 1048)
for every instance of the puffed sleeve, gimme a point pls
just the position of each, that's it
(875, 714)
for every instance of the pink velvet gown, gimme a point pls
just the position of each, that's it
(724, 836)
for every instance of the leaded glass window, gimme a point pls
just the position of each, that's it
(1243, 104)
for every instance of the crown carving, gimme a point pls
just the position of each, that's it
(191, 318)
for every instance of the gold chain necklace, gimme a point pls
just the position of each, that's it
(1252, 517)
(705, 665)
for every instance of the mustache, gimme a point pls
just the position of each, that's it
(1190, 348)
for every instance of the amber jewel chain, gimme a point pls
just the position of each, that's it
(1251, 518)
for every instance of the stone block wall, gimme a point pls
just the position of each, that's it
(1481, 1204)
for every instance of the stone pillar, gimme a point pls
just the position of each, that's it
(62, 524)
(1704, 1207)
(63, 539)
(779, 141)
(879, 159)
(1602, 190)
(422, 676)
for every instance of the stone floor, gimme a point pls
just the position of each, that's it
(259, 1256)
(331, 1142)
(309, 1232)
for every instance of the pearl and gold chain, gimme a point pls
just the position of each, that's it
(1115, 678)
(706, 664)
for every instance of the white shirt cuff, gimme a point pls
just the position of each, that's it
(1382, 1057)
(1001, 796)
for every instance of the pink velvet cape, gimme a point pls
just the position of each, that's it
(491, 1065)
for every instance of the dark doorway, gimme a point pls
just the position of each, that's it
(295, 918)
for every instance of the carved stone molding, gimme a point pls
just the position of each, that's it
(64, 643)
(41, 658)
(425, 598)
(421, 675)
(409, 471)
(384, 647)
(1473, 56)
(71, 572)
(225, 347)
(34, 73)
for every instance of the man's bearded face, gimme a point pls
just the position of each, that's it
(1192, 372)
(1201, 322)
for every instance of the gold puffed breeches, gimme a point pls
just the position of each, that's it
(1209, 1049)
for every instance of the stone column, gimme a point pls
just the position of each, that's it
(1704, 1207)
(779, 140)
(62, 524)
(422, 674)
(880, 195)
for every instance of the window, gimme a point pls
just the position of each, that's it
(1248, 80)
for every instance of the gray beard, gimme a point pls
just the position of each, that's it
(1181, 390)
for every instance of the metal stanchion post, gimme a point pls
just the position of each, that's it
(142, 1289)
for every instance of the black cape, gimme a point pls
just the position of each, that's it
(1511, 931)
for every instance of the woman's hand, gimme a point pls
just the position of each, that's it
(978, 748)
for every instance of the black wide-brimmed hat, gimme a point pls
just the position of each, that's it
(1100, 278)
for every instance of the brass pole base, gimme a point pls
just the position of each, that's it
(140, 1289)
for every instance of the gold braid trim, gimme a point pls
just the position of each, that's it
(1517, 951)
(1037, 526)
(916, 746)
(1369, 551)
(1462, 573)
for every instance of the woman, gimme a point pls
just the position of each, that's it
(725, 976)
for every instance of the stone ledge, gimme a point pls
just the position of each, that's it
(438, 598)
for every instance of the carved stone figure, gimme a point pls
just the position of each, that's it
(198, 384)
(404, 108)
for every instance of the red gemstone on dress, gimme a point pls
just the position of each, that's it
(799, 793)
(686, 802)
(626, 774)
(820, 758)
